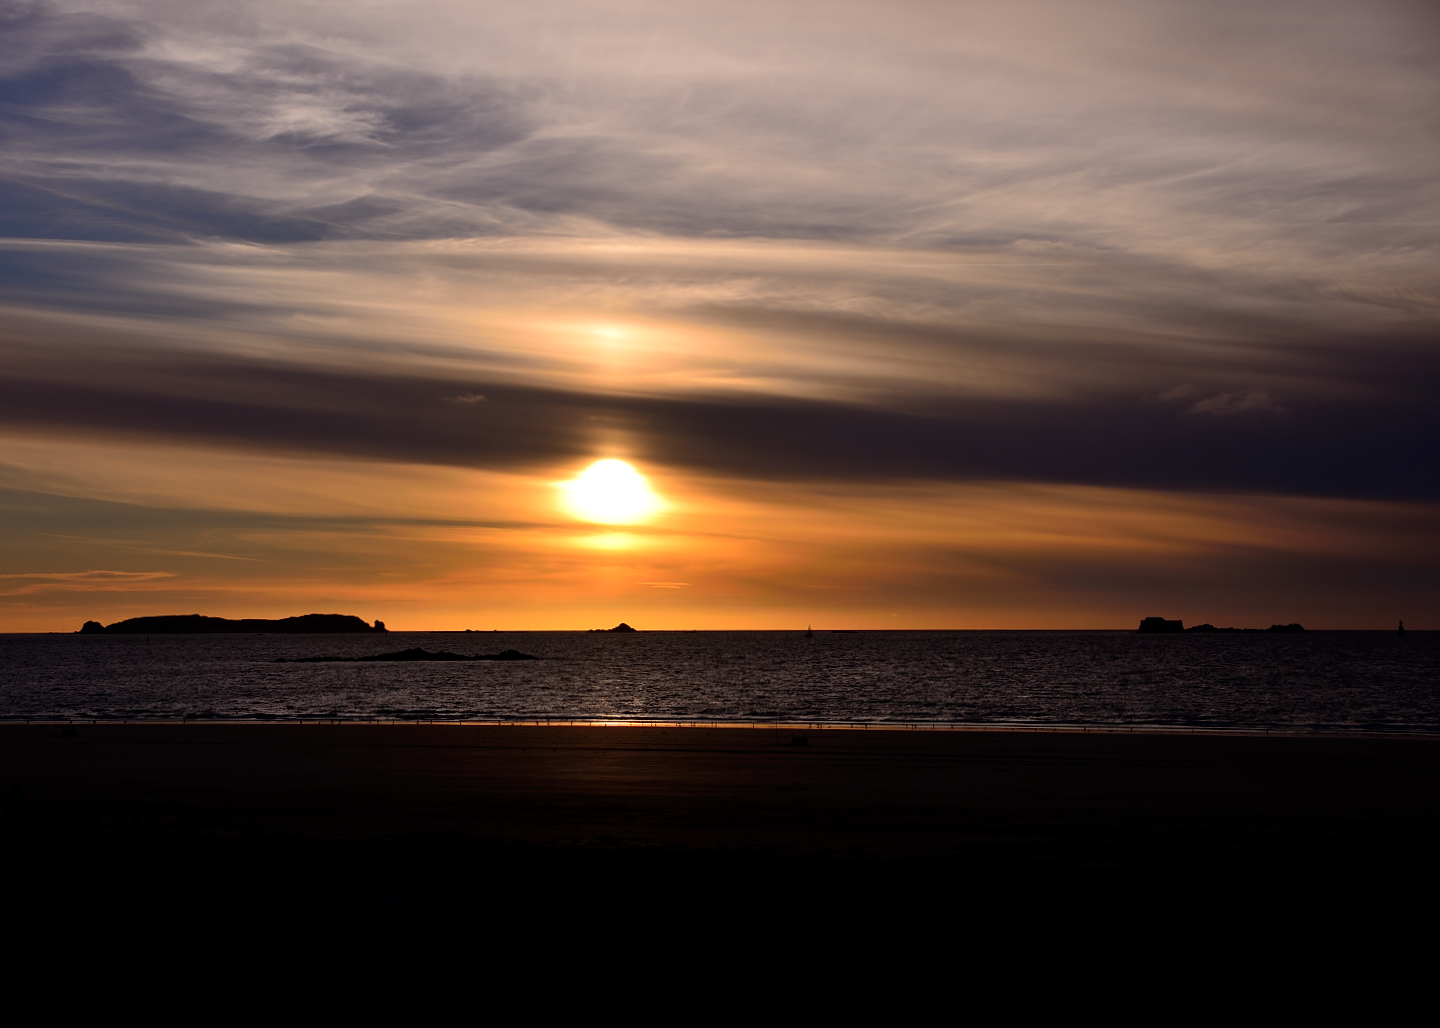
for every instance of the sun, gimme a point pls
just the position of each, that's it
(610, 492)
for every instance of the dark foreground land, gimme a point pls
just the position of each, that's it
(411, 820)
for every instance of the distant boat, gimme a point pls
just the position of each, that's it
(810, 634)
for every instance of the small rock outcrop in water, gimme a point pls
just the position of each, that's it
(1161, 625)
(197, 624)
(621, 627)
(412, 654)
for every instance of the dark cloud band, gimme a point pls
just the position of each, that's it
(1232, 441)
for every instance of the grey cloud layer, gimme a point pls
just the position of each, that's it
(1238, 202)
(144, 123)
(1225, 442)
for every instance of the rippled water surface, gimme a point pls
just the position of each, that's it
(1324, 680)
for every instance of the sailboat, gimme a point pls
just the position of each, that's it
(808, 633)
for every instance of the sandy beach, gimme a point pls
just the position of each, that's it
(389, 817)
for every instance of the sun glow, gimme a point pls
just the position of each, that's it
(610, 492)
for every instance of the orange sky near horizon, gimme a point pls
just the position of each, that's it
(436, 548)
(913, 315)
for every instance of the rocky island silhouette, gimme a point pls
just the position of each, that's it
(1162, 625)
(196, 624)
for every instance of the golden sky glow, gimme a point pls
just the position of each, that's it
(555, 314)
(132, 529)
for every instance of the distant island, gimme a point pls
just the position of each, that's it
(1162, 625)
(621, 627)
(198, 624)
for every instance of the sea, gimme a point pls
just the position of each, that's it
(1313, 681)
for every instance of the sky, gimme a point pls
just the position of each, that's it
(902, 314)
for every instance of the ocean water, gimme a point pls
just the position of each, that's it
(1375, 681)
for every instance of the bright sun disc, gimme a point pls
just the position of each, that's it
(610, 492)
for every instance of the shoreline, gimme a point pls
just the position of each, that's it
(356, 819)
(764, 726)
(199, 818)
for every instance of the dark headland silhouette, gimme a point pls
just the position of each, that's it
(621, 627)
(197, 624)
(1162, 625)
